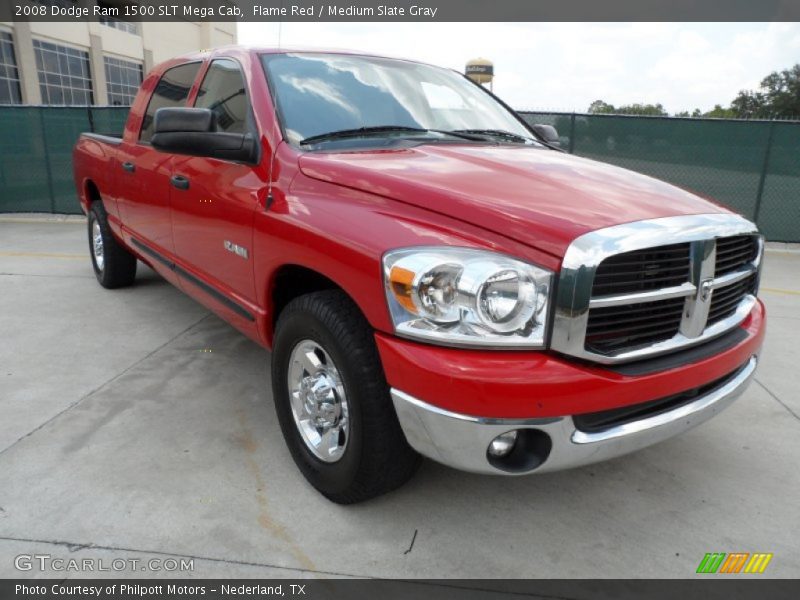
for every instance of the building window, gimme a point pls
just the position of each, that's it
(64, 75)
(116, 22)
(121, 25)
(9, 77)
(123, 79)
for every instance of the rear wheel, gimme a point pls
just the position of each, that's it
(333, 401)
(113, 265)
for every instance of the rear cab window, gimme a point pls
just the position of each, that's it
(172, 90)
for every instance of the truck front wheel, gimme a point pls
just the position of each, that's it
(333, 401)
(113, 265)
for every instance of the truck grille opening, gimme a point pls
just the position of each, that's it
(735, 252)
(620, 328)
(726, 300)
(615, 328)
(641, 270)
(604, 420)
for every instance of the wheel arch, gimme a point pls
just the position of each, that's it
(292, 280)
(90, 195)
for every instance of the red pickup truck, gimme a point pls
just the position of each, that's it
(433, 276)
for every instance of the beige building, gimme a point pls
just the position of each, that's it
(102, 63)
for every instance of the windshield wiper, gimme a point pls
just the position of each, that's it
(495, 133)
(377, 130)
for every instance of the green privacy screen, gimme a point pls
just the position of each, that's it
(36, 154)
(751, 166)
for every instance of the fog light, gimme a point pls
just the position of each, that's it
(503, 444)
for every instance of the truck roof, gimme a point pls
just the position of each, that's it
(256, 49)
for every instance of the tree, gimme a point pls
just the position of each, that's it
(750, 105)
(777, 96)
(598, 107)
(782, 91)
(651, 110)
(718, 112)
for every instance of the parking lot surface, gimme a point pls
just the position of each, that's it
(134, 424)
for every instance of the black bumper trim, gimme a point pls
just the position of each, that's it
(682, 358)
(600, 421)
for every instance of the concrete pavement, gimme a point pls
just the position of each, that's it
(134, 424)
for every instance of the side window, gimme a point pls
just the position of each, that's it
(223, 91)
(172, 90)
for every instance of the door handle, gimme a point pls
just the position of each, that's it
(129, 167)
(180, 182)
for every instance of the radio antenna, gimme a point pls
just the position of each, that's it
(280, 26)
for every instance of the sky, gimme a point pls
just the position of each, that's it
(566, 66)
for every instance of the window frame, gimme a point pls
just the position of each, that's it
(122, 63)
(252, 125)
(62, 59)
(15, 65)
(139, 140)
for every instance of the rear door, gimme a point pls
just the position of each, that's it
(214, 206)
(143, 177)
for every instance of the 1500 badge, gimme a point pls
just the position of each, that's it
(235, 248)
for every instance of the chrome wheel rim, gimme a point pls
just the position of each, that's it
(97, 246)
(318, 400)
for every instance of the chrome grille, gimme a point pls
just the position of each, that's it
(735, 252)
(726, 299)
(651, 287)
(613, 327)
(648, 269)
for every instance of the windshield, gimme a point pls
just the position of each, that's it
(322, 93)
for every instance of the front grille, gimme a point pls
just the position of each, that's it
(647, 288)
(641, 270)
(614, 328)
(725, 301)
(621, 327)
(625, 327)
(735, 252)
(604, 420)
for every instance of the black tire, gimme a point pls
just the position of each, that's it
(377, 458)
(118, 268)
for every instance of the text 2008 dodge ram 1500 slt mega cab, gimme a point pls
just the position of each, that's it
(433, 276)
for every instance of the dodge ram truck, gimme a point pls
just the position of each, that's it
(433, 276)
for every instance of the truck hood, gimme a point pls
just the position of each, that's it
(539, 197)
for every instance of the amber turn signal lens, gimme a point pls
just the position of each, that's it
(401, 282)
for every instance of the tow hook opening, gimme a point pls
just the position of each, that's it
(519, 450)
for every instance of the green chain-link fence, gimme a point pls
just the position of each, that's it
(752, 166)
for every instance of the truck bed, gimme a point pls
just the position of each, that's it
(108, 138)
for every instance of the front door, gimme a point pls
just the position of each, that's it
(214, 201)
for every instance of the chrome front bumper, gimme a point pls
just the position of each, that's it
(462, 441)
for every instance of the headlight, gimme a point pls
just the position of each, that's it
(466, 297)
